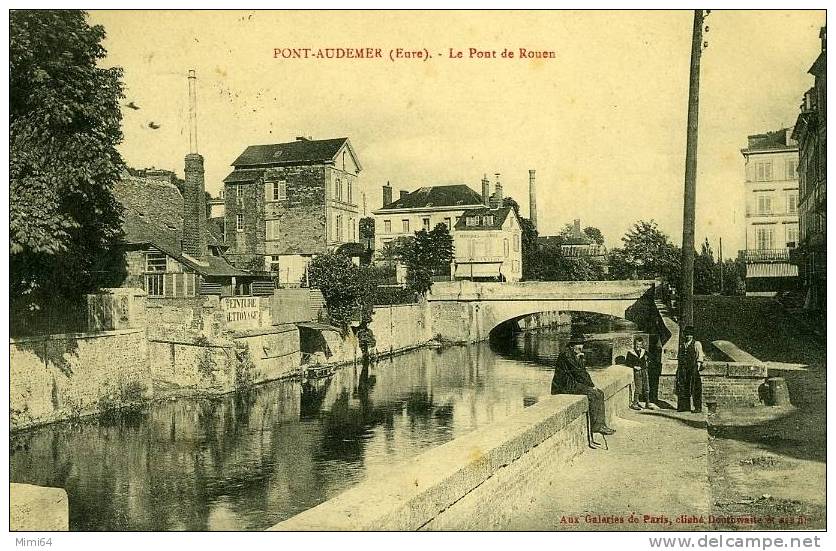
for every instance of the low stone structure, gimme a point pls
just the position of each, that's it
(38, 509)
(468, 480)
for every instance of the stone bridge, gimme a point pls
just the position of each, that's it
(469, 311)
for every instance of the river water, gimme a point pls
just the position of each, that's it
(248, 461)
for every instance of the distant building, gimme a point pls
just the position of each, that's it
(771, 162)
(811, 133)
(488, 245)
(285, 203)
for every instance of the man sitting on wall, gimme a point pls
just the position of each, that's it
(570, 377)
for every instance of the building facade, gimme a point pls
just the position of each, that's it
(771, 190)
(286, 203)
(811, 133)
(423, 208)
(488, 245)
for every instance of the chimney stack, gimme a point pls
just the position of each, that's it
(194, 190)
(486, 191)
(532, 199)
(404, 193)
(577, 228)
(387, 194)
(497, 202)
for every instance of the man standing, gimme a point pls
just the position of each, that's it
(688, 380)
(639, 360)
(570, 377)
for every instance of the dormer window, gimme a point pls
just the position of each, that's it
(488, 220)
(472, 221)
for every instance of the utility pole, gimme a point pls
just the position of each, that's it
(721, 265)
(687, 297)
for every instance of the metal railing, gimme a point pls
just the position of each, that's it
(766, 255)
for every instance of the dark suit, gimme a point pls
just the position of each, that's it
(570, 377)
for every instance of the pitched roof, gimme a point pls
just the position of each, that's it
(484, 222)
(215, 232)
(298, 152)
(457, 195)
(770, 141)
(244, 175)
(140, 230)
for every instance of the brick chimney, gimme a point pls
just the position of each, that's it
(576, 229)
(486, 191)
(387, 194)
(496, 199)
(532, 199)
(194, 207)
(194, 190)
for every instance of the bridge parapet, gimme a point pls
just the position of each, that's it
(467, 291)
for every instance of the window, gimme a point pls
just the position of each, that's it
(239, 190)
(764, 204)
(273, 265)
(426, 223)
(764, 238)
(353, 230)
(505, 247)
(387, 226)
(350, 190)
(792, 169)
(239, 222)
(155, 262)
(515, 266)
(405, 224)
(763, 171)
(792, 203)
(516, 242)
(191, 284)
(449, 223)
(273, 230)
(488, 220)
(472, 221)
(279, 191)
(792, 236)
(338, 228)
(242, 289)
(338, 190)
(154, 285)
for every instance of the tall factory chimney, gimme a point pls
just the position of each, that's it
(532, 199)
(194, 190)
(497, 194)
(486, 191)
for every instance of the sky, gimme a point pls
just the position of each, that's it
(603, 122)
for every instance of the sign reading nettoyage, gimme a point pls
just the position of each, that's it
(241, 311)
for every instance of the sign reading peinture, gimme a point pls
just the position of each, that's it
(242, 311)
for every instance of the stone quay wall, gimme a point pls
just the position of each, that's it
(57, 377)
(468, 481)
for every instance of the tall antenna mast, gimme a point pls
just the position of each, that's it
(192, 112)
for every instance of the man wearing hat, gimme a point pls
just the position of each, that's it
(688, 380)
(570, 377)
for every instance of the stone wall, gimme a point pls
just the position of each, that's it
(59, 377)
(401, 327)
(188, 318)
(729, 384)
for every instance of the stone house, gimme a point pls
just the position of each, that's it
(488, 245)
(286, 203)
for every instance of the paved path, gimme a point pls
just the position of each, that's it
(656, 468)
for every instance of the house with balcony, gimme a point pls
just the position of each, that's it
(811, 133)
(771, 191)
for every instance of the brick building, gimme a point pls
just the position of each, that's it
(811, 133)
(285, 203)
(771, 184)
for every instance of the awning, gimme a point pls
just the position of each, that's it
(771, 269)
(478, 269)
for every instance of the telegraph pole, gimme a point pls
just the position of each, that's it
(686, 316)
(721, 265)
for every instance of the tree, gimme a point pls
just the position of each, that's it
(367, 228)
(594, 234)
(647, 253)
(531, 261)
(64, 125)
(706, 271)
(442, 249)
(425, 254)
(348, 289)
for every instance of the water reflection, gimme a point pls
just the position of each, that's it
(247, 461)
